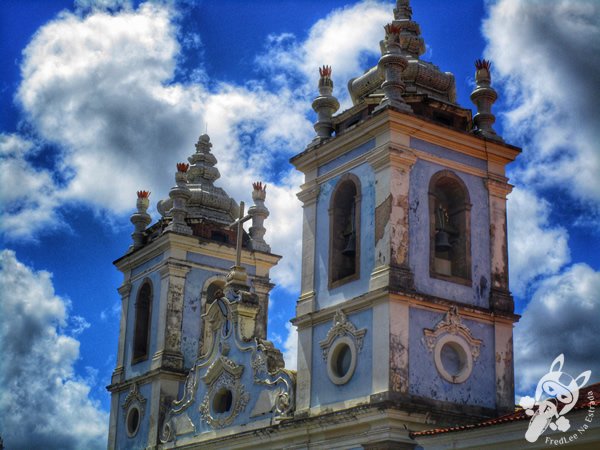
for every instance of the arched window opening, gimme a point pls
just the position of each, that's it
(344, 241)
(143, 310)
(449, 214)
(214, 291)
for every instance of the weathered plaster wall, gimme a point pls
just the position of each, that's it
(326, 297)
(479, 389)
(138, 442)
(142, 366)
(324, 391)
(478, 293)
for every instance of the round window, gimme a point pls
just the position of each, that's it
(453, 358)
(222, 401)
(133, 421)
(341, 360)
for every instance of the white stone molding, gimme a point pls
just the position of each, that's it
(282, 398)
(451, 332)
(134, 407)
(342, 334)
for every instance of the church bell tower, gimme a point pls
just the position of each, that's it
(176, 273)
(404, 292)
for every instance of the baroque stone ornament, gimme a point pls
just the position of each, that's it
(452, 324)
(453, 346)
(134, 407)
(342, 327)
(226, 397)
(134, 397)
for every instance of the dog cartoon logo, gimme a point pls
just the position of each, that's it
(556, 394)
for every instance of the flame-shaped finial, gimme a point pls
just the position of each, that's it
(325, 71)
(390, 28)
(259, 186)
(182, 167)
(483, 64)
(143, 194)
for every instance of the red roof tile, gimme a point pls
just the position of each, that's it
(582, 403)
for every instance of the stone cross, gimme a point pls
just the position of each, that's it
(240, 228)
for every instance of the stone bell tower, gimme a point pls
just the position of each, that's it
(173, 272)
(404, 298)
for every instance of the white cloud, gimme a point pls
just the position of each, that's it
(42, 403)
(27, 194)
(546, 54)
(344, 39)
(536, 248)
(101, 88)
(290, 347)
(562, 317)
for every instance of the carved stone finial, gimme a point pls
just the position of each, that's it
(179, 195)
(325, 105)
(140, 219)
(259, 213)
(392, 63)
(402, 10)
(484, 96)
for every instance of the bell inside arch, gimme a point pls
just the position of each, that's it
(350, 249)
(442, 241)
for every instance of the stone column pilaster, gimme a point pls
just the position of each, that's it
(168, 354)
(500, 298)
(262, 288)
(308, 196)
(392, 165)
(118, 374)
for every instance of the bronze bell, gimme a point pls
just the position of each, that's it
(350, 249)
(442, 241)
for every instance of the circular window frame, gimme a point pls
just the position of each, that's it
(464, 353)
(332, 355)
(130, 411)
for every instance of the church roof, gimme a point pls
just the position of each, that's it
(584, 402)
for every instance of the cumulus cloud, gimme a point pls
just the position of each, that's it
(43, 404)
(290, 347)
(345, 39)
(28, 194)
(536, 248)
(100, 86)
(562, 317)
(546, 56)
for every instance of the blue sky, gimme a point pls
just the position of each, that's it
(100, 98)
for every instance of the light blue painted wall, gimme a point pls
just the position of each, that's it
(143, 366)
(425, 381)
(326, 297)
(151, 262)
(323, 390)
(348, 156)
(446, 153)
(478, 293)
(220, 263)
(138, 442)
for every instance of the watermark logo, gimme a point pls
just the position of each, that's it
(556, 394)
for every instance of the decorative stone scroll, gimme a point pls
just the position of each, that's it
(342, 327)
(134, 407)
(453, 346)
(341, 347)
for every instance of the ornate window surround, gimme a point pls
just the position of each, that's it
(342, 333)
(133, 401)
(451, 331)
